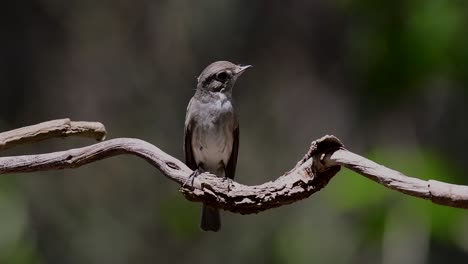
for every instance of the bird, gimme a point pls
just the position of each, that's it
(211, 133)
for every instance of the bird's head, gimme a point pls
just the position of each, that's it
(220, 76)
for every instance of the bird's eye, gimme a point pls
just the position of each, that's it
(222, 76)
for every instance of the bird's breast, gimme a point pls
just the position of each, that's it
(212, 135)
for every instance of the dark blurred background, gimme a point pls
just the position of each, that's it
(389, 78)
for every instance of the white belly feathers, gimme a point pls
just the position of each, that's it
(212, 136)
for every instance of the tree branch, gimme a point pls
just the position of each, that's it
(436, 191)
(311, 174)
(50, 129)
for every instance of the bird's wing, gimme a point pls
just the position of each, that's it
(230, 169)
(189, 158)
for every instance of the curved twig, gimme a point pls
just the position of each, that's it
(54, 128)
(438, 192)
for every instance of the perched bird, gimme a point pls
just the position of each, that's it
(211, 138)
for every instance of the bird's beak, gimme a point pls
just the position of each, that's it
(241, 69)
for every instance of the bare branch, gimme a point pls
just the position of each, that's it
(311, 174)
(436, 191)
(294, 185)
(50, 129)
(78, 157)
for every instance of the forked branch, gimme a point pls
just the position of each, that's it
(311, 174)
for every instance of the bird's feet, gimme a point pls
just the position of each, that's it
(192, 176)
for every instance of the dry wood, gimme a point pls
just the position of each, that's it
(54, 128)
(311, 174)
(436, 191)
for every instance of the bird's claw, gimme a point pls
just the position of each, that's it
(229, 183)
(191, 177)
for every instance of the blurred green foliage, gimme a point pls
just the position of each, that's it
(15, 247)
(404, 43)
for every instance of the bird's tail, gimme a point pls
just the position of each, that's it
(210, 220)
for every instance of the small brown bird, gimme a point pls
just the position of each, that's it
(211, 139)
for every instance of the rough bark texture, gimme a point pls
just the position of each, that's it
(311, 173)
